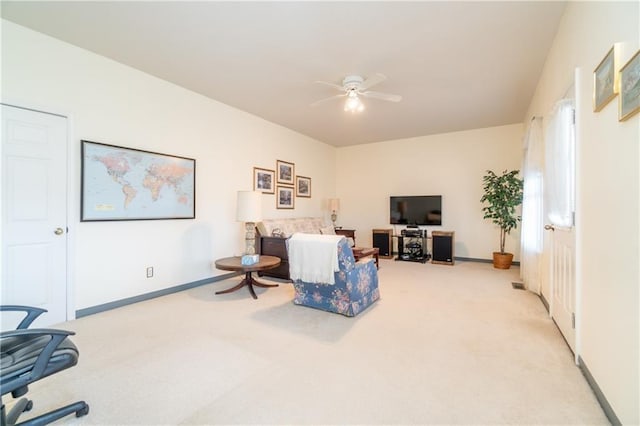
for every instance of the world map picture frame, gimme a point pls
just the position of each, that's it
(120, 183)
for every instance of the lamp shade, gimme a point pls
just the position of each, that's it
(249, 206)
(334, 204)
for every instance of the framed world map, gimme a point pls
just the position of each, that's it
(130, 184)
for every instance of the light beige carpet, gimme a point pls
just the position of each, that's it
(444, 345)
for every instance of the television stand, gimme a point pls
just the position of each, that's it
(413, 248)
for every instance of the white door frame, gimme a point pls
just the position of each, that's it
(582, 81)
(73, 202)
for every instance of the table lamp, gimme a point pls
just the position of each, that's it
(249, 210)
(334, 206)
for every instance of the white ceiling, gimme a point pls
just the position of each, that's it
(457, 65)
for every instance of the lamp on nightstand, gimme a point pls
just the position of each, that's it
(334, 206)
(249, 210)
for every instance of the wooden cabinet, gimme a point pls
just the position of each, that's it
(275, 246)
(347, 233)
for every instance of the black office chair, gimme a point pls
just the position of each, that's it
(29, 355)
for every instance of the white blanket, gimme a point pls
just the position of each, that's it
(313, 258)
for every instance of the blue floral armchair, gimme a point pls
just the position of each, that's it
(355, 288)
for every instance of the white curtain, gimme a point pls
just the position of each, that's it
(560, 164)
(532, 207)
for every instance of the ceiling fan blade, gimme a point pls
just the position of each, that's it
(335, 86)
(382, 96)
(321, 101)
(372, 81)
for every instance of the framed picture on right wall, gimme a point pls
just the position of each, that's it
(629, 103)
(604, 81)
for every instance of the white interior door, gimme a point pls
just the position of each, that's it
(34, 211)
(559, 187)
(563, 282)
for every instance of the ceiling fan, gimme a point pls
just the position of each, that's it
(354, 86)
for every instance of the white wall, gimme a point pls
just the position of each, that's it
(115, 104)
(451, 165)
(608, 188)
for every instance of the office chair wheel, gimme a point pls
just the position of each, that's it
(28, 407)
(83, 412)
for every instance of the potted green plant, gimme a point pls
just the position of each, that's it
(502, 194)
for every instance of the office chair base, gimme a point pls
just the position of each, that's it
(80, 409)
(21, 406)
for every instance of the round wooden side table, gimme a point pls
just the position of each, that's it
(235, 264)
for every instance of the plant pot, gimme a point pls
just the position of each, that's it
(502, 260)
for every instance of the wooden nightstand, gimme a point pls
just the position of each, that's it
(347, 233)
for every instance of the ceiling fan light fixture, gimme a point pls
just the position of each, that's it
(354, 88)
(353, 103)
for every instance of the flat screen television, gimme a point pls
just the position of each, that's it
(416, 210)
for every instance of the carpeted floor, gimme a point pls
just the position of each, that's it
(444, 345)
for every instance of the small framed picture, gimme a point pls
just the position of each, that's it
(629, 103)
(303, 186)
(264, 180)
(285, 171)
(284, 197)
(604, 81)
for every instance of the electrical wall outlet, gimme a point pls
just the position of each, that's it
(150, 272)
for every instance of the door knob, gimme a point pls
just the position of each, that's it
(58, 231)
(549, 228)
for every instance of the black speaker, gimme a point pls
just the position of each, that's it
(442, 244)
(383, 241)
